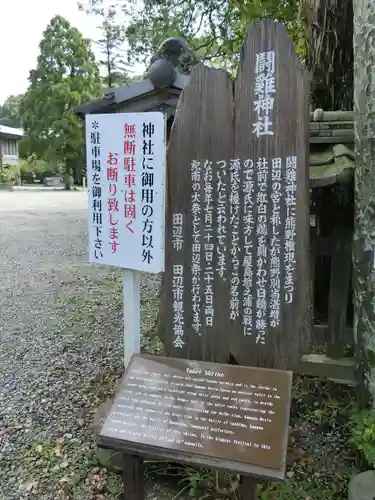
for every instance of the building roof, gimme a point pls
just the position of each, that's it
(15, 132)
(331, 164)
(137, 97)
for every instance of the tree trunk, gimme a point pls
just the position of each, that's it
(329, 34)
(68, 177)
(364, 238)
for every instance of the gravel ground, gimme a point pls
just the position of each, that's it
(61, 356)
(61, 347)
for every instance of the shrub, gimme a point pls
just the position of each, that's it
(363, 434)
(4, 176)
(36, 170)
(9, 173)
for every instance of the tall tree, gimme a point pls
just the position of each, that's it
(65, 76)
(112, 41)
(10, 111)
(321, 29)
(364, 239)
(213, 28)
(329, 40)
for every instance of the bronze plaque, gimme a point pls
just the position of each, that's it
(226, 412)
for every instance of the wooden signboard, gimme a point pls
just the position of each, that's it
(237, 278)
(272, 144)
(193, 320)
(224, 416)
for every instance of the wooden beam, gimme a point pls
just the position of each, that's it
(133, 476)
(247, 489)
(341, 268)
(332, 140)
(320, 334)
(319, 365)
(331, 116)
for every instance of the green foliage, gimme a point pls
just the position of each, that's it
(9, 173)
(66, 75)
(196, 482)
(294, 491)
(10, 111)
(363, 434)
(5, 176)
(202, 483)
(25, 147)
(32, 170)
(214, 29)
(319, 461)
(111, 43)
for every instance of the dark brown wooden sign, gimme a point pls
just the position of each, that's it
(194, 321)
(272, 143)
(219, 415)
(237, 277)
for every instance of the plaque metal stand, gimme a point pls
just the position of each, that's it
(247, 489)
(133, 475)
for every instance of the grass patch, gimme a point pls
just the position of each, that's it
(320, 459)
(67, 468)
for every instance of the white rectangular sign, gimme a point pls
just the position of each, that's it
(125, 177)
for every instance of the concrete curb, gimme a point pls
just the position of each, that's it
(47, 189)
